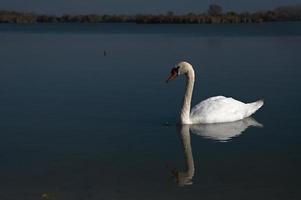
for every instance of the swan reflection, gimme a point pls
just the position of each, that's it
(223, 131)
(220, 132)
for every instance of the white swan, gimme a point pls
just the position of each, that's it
(217, 109)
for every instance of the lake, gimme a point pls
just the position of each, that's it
(86, 114)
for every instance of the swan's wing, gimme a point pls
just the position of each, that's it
(218, 109)
(213, 99)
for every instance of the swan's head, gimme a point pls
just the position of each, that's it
(179, 69)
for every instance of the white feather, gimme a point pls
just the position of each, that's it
(222, 109)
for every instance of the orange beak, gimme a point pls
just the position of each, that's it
(173, 75)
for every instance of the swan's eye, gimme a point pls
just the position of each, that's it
(177, 68)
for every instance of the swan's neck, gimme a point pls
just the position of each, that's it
(185, 111)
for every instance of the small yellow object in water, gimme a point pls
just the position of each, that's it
(45, 196)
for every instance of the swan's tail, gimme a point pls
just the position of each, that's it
(253, 107)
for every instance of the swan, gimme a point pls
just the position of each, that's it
(218, 109)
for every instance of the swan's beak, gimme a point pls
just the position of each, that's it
(173, 75)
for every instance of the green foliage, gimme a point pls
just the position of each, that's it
(214, 15)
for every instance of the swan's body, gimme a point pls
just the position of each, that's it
(217, 109)
(222, 109)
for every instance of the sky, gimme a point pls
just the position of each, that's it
(137, 6)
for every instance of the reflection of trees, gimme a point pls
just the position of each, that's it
(214, 15)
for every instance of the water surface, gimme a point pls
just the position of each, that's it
(76, 124)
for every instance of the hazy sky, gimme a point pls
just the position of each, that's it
(136, 6)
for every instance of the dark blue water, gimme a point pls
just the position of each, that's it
(78, 124)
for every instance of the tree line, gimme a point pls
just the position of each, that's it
(214, 14)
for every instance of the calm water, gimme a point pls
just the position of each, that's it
(76, 124)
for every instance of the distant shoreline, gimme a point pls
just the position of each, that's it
(214, 15)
